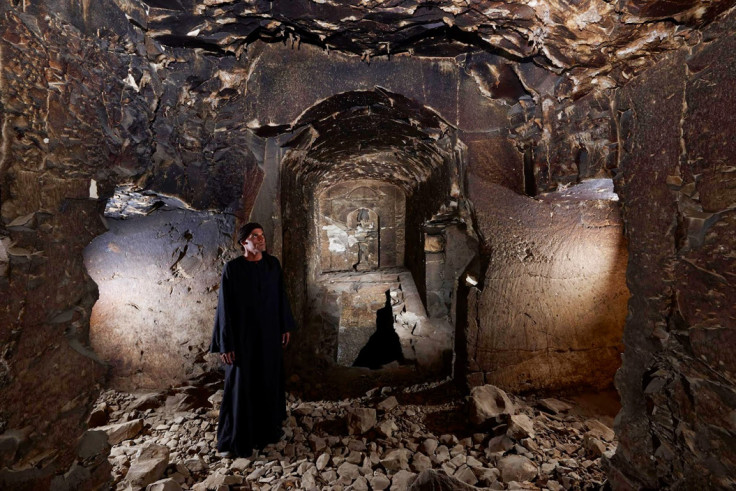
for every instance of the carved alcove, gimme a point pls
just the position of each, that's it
(361, 226)
(366, 170)
(361, 244)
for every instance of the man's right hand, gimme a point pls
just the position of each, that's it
(228, 358)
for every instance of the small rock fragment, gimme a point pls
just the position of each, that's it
(164, 485)
(119, 432)
(402, 480)
(554, 406)
(520, 426)
(360, 420)
(593, 446)
(387, 404)
(516, 468)
(431, 480)
(149, 466)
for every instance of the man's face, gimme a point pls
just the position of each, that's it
(255, 242)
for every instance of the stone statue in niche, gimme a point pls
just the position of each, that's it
(361, 226)
(364, 227)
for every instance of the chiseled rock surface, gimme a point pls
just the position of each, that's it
(677, 385)
(569, 242)
(433, 446)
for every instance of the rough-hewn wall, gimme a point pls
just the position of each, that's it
(550, 308)
(577, 141)
(676, 123)
(88, 103)
(158, 278)
(564, 140)
(70, 118)
(553, 300)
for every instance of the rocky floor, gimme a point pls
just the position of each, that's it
(388, 438)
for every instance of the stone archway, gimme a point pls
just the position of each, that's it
(367, 170)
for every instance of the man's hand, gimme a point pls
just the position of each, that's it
(228, 358)
(285, 339)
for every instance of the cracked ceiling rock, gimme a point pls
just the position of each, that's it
(604, 42)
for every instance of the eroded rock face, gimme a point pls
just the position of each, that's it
(158, 278)
(78, 119)
(58, 146)
(677, 381)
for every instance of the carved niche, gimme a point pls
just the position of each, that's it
(361, 226)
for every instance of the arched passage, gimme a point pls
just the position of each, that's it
(367, 178)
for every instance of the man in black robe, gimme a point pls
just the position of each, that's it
(252, 327)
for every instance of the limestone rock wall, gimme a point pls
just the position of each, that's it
(550, 306)
(570, 141)
(563, 140)
(204, 153)
(676, 122)
(158, 278)
(89, 103)
(72, 125)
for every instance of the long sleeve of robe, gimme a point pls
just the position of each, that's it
(252, 313)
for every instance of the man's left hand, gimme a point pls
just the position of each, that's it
(285, 339)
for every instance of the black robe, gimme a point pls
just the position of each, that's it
(252, 314)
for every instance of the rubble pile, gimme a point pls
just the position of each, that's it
(425, 436)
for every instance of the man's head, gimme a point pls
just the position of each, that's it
(250, 236)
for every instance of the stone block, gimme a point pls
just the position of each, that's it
(487, 402)
(148, 466)
(360, 420)
(517, 468)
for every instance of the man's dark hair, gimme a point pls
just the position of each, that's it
(246, 230)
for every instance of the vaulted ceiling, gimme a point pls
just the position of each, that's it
(368, 135)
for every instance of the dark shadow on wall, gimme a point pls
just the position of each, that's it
(383, 346)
